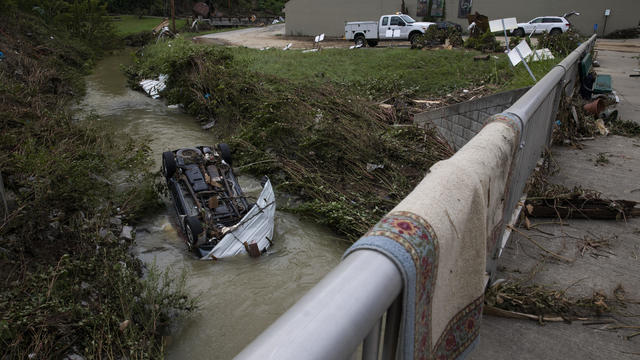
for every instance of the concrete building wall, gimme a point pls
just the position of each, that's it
(312, 17)
(624, 13)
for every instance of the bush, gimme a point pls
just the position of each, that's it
(560, 45)
(486, 43)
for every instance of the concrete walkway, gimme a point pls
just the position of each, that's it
(593, 271)
(619, 58)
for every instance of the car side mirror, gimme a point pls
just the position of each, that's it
(401, 23)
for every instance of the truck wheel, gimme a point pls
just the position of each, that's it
(359, 40)
(413, 38)
(225, 152)
(372, 43)
(555, 31)
(519, 32)
(192, 228)
(169, 165)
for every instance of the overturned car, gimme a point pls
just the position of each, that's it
(217, 218)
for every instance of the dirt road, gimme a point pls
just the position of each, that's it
(273, 36)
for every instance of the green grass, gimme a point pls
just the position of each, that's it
(381, 72)
(131, 24)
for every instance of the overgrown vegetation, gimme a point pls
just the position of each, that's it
(435, 36)
(70, 286)
(161, 7)
(562, 44)
(486, 43)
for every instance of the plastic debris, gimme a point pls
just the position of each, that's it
(601, 128)
(287, 47)
(154, 87)
(208, 125)
(309, 50)
(372, 167)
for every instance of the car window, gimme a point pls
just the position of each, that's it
(536, 21)
(395, 20)
(385, 20)
(408, 19)
(551, 20)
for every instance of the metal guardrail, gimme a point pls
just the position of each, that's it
(348, 311)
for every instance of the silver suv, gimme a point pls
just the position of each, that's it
(551, 24)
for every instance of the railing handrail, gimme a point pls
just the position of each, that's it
(349, 300)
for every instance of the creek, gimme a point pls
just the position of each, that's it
(238, 297)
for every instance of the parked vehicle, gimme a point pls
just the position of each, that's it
(445, 25)
(552, 24)
(216, 217)
(389, 27)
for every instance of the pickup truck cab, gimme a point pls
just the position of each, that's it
(389, 27)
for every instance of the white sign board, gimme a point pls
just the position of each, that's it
(509, 24)
(524, 49)
(388, 33)
(607, 12)
(396, 33)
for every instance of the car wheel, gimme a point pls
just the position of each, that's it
(225, 152)
(519, 32)
(413, 38)
(555, 31)
(192, 228)
(169, 165)
(372, 43)
(359, 40)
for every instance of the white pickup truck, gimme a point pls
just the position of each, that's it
(389, 27)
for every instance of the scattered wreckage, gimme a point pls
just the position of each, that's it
(213, 212)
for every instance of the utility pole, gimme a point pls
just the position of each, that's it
(173, 16)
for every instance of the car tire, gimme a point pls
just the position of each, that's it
(372, 43)
(555, 31)
(169, 165)
(413, 38)
(359, 40)
(192, 229)
(519, 32)
(225, 152)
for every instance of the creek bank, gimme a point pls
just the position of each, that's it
(72, 287)
(313, 140)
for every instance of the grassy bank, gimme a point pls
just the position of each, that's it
(70, 284)
(379, 73)
(308, 120)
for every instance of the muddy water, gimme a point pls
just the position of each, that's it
(238, 297)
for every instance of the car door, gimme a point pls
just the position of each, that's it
(382, 30)
(393, 31)
(534, 25)
(551, 23)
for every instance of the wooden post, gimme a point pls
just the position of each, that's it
(173, 16)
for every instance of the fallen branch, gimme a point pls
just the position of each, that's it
(494, 311)
(557, 256)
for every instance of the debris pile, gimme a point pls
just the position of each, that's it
(517, 300)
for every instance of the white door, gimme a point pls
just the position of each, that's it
(384, 26)
(534, 25)
(393, 30)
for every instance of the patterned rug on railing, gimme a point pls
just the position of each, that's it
(442, 260)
